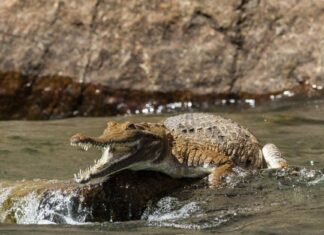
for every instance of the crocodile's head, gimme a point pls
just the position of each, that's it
(124, 146)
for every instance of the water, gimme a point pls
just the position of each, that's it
(268, 202)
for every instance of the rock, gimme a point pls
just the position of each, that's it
(13, 87)
(282, 48)
(53, 97)
(123, 197)
(163, 50)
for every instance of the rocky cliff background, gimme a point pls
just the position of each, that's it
(63, 58)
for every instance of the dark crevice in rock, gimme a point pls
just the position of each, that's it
(238, 38)
(209, 19)
(238, 41)
(92, 32)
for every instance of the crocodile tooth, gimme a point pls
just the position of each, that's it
(206, 165)
(94, 168)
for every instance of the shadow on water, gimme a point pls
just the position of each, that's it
(263, 202)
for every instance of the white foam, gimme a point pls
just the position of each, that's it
(4, 194)
(55, 207)
(167, 210)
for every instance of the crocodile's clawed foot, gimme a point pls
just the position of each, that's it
(217, 178)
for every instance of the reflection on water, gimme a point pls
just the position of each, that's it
(253, 202)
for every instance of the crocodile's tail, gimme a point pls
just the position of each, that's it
(273, 157)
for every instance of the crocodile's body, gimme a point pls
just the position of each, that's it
(188, 145)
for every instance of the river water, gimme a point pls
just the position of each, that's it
(267, 202)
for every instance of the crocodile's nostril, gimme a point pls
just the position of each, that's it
(77, 138)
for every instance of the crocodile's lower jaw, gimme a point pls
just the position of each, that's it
(85, 175)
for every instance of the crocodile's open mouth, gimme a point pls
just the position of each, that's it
(124, 146)
(116, 156)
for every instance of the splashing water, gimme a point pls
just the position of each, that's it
(4, 194)
(247, 193)
(54, 207)
(168, 211)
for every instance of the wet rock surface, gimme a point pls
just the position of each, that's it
(64, 58)
(50, 97)
(123, 197)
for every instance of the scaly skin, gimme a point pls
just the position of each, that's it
(184, 146)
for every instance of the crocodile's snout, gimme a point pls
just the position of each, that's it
(77, 138)
(82, 141)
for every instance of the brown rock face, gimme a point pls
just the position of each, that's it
(236, 48)
(164, 45)
(282, 47)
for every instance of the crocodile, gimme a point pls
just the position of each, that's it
(191, 145)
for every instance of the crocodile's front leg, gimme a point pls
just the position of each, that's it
(216, 178)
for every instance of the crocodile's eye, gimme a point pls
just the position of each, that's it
(131, 126)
